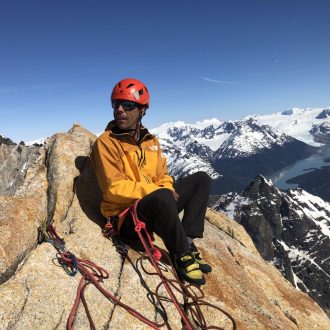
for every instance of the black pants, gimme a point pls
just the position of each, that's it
(159, 210)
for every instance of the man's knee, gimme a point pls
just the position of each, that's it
(202, 176)
(163, 197)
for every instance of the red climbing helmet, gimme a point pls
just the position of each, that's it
(132, 90)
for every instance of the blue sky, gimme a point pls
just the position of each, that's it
(200, 59)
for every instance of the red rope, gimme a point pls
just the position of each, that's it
(92, 273)
(185, 291)
(152, 254)
(95, 275)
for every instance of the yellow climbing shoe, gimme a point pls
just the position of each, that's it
(203, 266)
(189, 269)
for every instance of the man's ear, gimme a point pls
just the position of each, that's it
(143, 111)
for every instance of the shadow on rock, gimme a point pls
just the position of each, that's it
(87, 190)
(153, 297)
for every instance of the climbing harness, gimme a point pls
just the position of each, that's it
(190, 311)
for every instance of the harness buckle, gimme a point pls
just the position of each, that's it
(110, 228)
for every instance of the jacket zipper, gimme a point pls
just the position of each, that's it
(141, 157)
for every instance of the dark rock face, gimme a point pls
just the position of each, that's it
(199, 149)
(23, 198)
(321, 133)
(324, 114)
(6, 141)
(316, 182)
(15, 160)
(290, 229)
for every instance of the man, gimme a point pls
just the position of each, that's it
(129, 165)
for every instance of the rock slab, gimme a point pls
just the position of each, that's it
(39, 294)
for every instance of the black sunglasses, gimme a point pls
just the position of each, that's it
(127, 105)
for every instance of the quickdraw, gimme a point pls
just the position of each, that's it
(91, 273)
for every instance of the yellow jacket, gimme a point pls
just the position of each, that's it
(127, 171)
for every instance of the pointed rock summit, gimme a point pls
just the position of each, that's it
(58, 185)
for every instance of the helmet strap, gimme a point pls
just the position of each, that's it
(138, 126)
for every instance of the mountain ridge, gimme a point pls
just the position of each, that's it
(237, 152)
(290, 229)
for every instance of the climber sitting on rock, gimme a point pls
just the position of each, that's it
(129, 165)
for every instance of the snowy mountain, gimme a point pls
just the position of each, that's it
(207, 132)
(184, 154)
(324, 114)
(230, 139)
(290, 229)
(238, 150)
(246, 138)
(297, 123)
(321, 132)
(313, 127)
(184, 161)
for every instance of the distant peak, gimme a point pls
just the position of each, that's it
(179, 124)
(325, 113)
(6, 141)
(264, 179)
(301, 111)
(212, 121)
(293, 111)
(260, 186)
(253, 120)
(250, 116)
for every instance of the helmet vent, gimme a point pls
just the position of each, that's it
(119, 85)
(140, 91)
(130, 85)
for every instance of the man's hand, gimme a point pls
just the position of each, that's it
(175, 195)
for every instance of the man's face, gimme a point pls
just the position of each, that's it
(126, 119)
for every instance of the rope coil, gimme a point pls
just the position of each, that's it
(94, 274)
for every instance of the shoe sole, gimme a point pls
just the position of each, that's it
(205, 269)
(193, 281)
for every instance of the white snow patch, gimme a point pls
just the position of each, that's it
(295, 122)
(300, 255)
(236, 204)
(38, 141)
(214, 143)
(315, 208)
